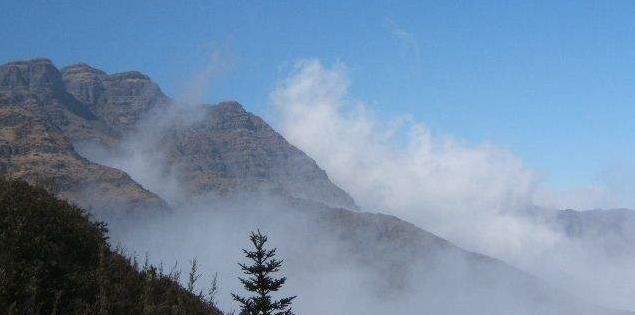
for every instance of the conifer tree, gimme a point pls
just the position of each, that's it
(260, 282)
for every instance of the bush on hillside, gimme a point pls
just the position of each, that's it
(54, 260)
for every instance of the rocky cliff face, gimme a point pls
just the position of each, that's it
(38, 122)
(120, 100)
(37, 86)
(610, 233)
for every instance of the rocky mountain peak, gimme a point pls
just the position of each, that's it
(120, 99)
(35, 74)
(232, 150)
(129, 75)
(81, 68)
(231, 115)
(230, 106)
(84, 82)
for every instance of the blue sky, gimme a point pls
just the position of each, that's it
(553, 81)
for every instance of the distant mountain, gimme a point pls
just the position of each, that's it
(227, 152)
(610, 231)
(405, 252)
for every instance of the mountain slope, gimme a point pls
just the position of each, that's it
(230, 150)
(53, 260)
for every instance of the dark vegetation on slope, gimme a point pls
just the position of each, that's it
(53, 260)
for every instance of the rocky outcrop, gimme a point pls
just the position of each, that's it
(32, 75)
(120, 100)
(38, 122)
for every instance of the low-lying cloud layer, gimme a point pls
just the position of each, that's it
(469, 194)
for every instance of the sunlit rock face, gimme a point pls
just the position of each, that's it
(39, 122)
(120, 99)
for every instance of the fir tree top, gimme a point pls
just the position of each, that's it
(260, 281)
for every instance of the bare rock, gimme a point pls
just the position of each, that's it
(38, 122)
(231, 150)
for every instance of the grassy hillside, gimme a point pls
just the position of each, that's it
(53, 260)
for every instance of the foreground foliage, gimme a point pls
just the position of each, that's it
(53, 260)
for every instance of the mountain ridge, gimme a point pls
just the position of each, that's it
(82, 103)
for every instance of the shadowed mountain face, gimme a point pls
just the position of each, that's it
(48, 116)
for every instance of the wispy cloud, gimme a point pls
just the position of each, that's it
(408, 44)
(218, 60)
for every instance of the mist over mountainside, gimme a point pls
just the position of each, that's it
(611, 231)
(235, 151)
(361, 263)
(117, 143)
(220, 149)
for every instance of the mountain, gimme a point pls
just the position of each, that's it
(44, 112)
(50, 119)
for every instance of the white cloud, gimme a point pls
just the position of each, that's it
(435, 181)
(428, 173)
(465, 193)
